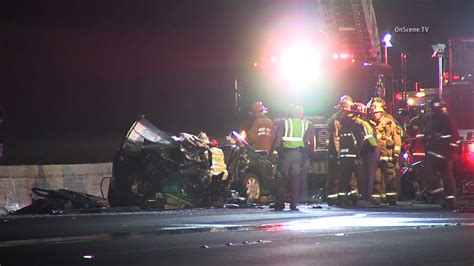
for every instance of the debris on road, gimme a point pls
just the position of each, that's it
(62, 201)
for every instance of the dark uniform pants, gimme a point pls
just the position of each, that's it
(290, 170)
(369, 168)
(386, 180)
(432, 166)
(349, 167)
(332, 185)
(304, 191)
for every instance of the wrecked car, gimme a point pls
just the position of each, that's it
(253, 172)
(154, 169)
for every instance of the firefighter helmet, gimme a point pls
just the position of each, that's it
(259, 108)
(376, 107)
(345, 103)
(439, 107)
(359, 108)
(376, 104)
(403, 112)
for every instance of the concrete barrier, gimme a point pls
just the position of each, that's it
(16, 182)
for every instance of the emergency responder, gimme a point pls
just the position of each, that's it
(389, 141)
(294, 141)
(367, 152)
(415, 130)
(349, 158)
(403, 119)
(334, 126)
(262, 131)
(441, 140)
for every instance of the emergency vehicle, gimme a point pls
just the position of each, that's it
(458, 93)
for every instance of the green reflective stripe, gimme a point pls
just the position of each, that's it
(286, 128)
(391, 193)
(332, 196)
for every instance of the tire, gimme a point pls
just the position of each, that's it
(252, 187)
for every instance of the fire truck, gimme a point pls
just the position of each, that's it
(459, 94)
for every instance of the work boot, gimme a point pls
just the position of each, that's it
(332, 201)
(449, 203)
(362, 204)
(277, 206)
(375, 202)
(344, 201)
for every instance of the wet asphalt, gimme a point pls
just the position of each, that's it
(407, 234)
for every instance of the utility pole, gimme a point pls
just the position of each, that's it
(438, 51)
(403, 64)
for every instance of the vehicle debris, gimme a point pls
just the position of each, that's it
(61, 201)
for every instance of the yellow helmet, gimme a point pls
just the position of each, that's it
(377, 107)
(345, 103)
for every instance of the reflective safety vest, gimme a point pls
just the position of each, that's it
(295, 129)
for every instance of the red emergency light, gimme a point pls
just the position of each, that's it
(342, 56)
(467, 154)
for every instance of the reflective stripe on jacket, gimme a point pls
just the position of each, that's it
(295, 129)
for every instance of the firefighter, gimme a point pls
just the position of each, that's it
(403, 119)
(415, 130)
(441, 140)
(368, 152)
(334, 126)
(389, 141)
(294, 141)
(349, 157)
(262, 132)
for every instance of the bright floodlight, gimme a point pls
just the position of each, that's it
(386, 39)
(300, 65)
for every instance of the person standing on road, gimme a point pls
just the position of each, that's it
(441, 138)
(262, 132)
(349, 157)
(415, 132)
(367, 151)
(389, 141)
(294, 141)
(334, 127)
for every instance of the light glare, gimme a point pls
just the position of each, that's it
(300, 65)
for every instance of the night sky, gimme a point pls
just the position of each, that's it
(75, 74)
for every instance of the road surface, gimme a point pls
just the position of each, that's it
(314, 235)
